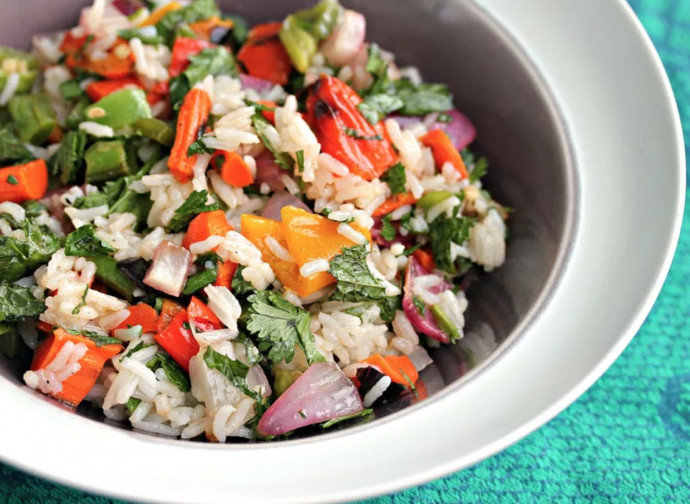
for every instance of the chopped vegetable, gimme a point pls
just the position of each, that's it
(233, 169)
(69, 158)
(444, 151)
(78, 385)
(111, 66)
(34, 117)
(311, 236)
(17, 303)
(443, 231)
(23, 182)
(332, 111)
(12, 151)
(346, 40)
(141, 315)
(157, 130)
(97, 90)
(169, 269)
(193, 115)
(158, 14)
(206, 224)
(394, 203)
(278, 325)
(264, 56)
(108, 273)
(399, 368)
(433, 198)
(16, 61)
(355, 281)
(120, 108)
(202, 316)
(322, 393)
(168, 18)
(422, 320)
(182, 50)
(425, 259)
(395, 178)
(177, 339)
(107, 160)
(168, 311)
(257, 230)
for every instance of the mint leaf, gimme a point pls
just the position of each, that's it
(261, 124)
(21, 257)
(172, 370)
(17, 303)
(235, 371)
(279, 325)
(99, 339)
(193, 206)
(12, 150)
(84, 242)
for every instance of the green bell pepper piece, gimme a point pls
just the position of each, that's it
(300, 45)
(119, 109)
(108, 273)
(321, 19)
(157, 130)
(15, 61)
(34, 117)
(107, 160)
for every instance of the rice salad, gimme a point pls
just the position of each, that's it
(215, 230)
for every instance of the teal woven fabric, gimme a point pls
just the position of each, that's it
(626, 440)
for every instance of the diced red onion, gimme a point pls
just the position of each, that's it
(268, 172)
(406, 121)
(255, 83)
(127, 7)
(169, 269)
(346, 40)
(322, 393)
(279, 200)
(257, 377)
(426, 323)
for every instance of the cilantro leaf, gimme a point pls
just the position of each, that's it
(84, 242)
(396, 178)
(239, 285)
(479, 169)
(193, 206)
(17, 303)
(420, 99)
(444, 230)
(172, 370)
(279, 325)
(355, 281)
(388, 231)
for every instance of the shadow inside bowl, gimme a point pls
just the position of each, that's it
(519, 129)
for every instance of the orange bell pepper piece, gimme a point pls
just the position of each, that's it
(311, 236)
(205, 27)
(169, 311)
(160, 13)
(256, 230)
(264, 56)
(425, 258)
(444, 151)
(193, 116)
(394, 203)
(344, 133)
(142, 315)
(399, 368)
(110, 67)
(77, 386)
(23, 182)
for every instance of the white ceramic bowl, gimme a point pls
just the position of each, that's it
(624, 188)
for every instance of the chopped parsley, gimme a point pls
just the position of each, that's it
(278, 325)
(12, 180)
(396, 178)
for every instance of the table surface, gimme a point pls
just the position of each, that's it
(626, 440)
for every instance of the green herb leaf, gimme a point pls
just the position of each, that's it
(478, 168)
(419, 304)
(17, 303)
(389, 305)
(409, 251)
(376, 65)
(358, 136)
(84, 242)
(199, 147)
(442, 232)
(172, 370)
(367, 414)
(129, 34)
(376, 106)
(200, 280)
(99, 339)
(279, 325)
(396, 178)
(420, 99)
(355, 281)
(193, 206)
(132, 404)
(21, 257)
(388, 231)
(12, 150)
(239, 285)
(69, 158)
(299, 155)
(196, 11)
(214, 61)
(12, 180)
(78, 308)
(235, 371)
(261, 124)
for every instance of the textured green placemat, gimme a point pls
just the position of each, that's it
(626, 440)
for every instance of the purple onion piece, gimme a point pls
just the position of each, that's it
(169, 269)
(279, 200)
(426, 323)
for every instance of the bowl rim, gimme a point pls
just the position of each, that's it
(496, 9)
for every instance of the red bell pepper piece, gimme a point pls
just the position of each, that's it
(142, 315)
(100, 89)
(226, 272)
(182, 50)
(343, 131)
(177, 339)
(264, 56)
(202, 316)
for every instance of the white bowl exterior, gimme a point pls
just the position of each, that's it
(632, 194)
